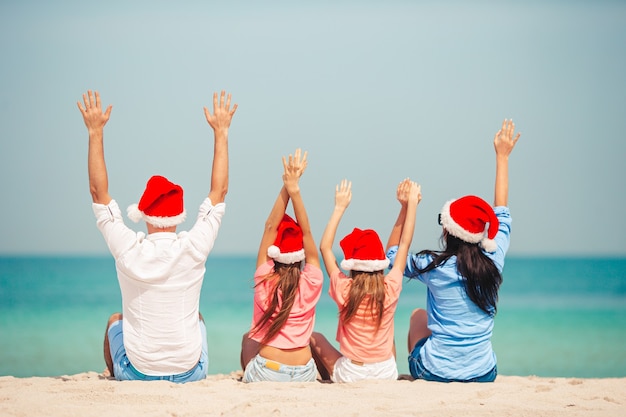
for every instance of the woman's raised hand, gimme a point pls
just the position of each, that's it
(294, 167)
(343, 194)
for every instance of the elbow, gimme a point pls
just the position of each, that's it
(218, 194)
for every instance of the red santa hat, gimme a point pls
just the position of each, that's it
(363, 251)
(161, 204)
(288, 247)
(472, 220)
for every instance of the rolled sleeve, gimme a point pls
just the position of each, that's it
(204, 232)
(118, 237)
(503, 237)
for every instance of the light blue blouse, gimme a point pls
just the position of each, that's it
(460, 344)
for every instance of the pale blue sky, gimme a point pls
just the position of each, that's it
(375, 91)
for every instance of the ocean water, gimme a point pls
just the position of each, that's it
(557, 317)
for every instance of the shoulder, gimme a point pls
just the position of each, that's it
(312, 273)
(264, 269)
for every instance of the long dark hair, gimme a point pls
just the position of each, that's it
(480, 275)
(287, 278)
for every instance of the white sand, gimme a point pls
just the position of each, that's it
(91, 394)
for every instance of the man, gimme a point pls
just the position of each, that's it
(160, 333)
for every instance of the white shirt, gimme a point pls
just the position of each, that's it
(160, 277)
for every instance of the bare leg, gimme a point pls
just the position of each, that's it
(249, 349)
(107, 349)
(324, 354)
(418, 327)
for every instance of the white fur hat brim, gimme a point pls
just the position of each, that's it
(364, 265)
(136, 215)
(285, 258)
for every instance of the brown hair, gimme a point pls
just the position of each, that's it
(287, 277)
(368, 289)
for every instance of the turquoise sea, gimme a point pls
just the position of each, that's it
(557, 317)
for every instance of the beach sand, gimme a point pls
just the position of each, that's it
(92, 394)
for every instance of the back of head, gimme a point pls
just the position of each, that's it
(363, 251)
(470, 226)
(472, 220)
(161, 204)
(364, 257)
(288, 246)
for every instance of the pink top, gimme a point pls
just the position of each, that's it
(298, 328)
(358, 339)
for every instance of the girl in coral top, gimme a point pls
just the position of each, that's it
(367, 298)
(285, 293)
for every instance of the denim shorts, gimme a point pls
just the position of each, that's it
(419, 371)
(261, 369)
(123, 370)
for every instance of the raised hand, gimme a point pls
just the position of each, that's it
(222, 113)
(294, 167)
(343, 194)
(92, 113)
(414, 192)
(504, 142)
(408, 191)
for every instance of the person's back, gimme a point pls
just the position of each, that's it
(367, 299)
(160, 334)
(451, 339)
(285, 295)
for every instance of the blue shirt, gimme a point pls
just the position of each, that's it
(460, 344)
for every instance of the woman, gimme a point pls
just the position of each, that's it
(451, 340)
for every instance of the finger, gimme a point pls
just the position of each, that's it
(297, 156)
(228, 101)
(91, 100)
(97, 99)
(285, 164)
(85, 101)
(214, 101)
(509, 129)
(107, 113)
(222, 98)
(304, 160)
(206, 113)
(234, 109)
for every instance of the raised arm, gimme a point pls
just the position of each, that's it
(343, 195)
(294, 167)
(220, 122)
(409, 194)
(503, 142)
(95, 120)
(271, 225)
(396, 231)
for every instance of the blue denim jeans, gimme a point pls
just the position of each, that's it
(261, 369)
(123, 370)
(419, 371)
